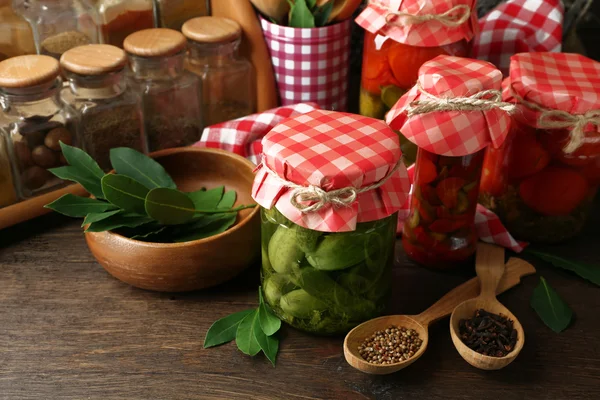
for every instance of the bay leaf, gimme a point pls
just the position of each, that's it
(268, 344)
(269, 323)
(228, 200)
(245, 337)
(98, 216)
(217, 225)
(312, 3)
(300, 15)
(76, 206)
(224, 330)
(120, 220)
(322, 14)
(586, 271)
(81, 160)
(125, 193)
(550, 307)
(169, 206)
(206, 199)
(91, 184)
(140, 167)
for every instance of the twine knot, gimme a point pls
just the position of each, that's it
(453, 18)
(319, 198)
(481, 101)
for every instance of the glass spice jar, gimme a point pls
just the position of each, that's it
(120, 18)
(16, 37)
(105, 114)
(327, 259)
(8, 194)
(227, 79)
(451, 135)
(173, 13)
(542, 181)
(400, 41)
(34, 121)
(171, 97)
(60, 25)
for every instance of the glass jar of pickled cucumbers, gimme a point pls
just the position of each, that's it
(329, 223)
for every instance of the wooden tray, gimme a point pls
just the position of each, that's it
(34, 207)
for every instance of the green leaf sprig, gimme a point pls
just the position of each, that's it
(254, 330)
(141, 200)
(307, 14)
(550, 307)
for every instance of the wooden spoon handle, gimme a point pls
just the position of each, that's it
(489, 265)
(515, 270)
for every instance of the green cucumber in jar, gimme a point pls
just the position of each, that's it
(284, 254)
(300, 304)
(276, 286)
(338, 251)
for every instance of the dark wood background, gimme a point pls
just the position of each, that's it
(68, 330)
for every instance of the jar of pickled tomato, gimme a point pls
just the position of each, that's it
(542, 181)
(451, 137)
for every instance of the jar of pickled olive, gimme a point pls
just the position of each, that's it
(329, 215)
(451, 136)
(171, 96)
(34, 121)
(227, 79)
(173, 13)
(119, 18)
(60, 25)
(16, 37)
(542, 181)
(106, 114)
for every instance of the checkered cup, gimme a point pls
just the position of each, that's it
(310, 64)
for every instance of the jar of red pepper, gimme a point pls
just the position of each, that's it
(542, 181)
(400, 37)
(452, 114)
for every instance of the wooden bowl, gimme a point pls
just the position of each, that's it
(198, 264)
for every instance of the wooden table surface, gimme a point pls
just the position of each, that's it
(68, 330)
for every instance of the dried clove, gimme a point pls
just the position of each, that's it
(489, 334)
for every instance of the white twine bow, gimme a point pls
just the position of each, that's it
(454, 17)
(558, 119)
(480, 101)
(319, 198)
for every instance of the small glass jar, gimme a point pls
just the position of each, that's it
(60, 25)
(8, 194)
(16, 37)
(227, 79)
(105, 114)
(326, 283)
(34, 120)
(440, 229)
(120, 18)
(171, 97)
(172, 14)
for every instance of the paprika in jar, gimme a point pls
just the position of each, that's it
(400, 36)
(542, 181)
(330, 185)
(452, 114)
(120, 18)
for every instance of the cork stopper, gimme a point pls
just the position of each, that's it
(211, 29)
(29, 70)
(155, 42)
(94, 59)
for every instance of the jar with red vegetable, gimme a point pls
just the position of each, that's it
(119, 18)
(452, 114)
(400, 36)
(542, 181)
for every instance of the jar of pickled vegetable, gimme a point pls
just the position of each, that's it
(227, 79)
(119, 18)
(542, 181)
(171, 96)
(400, 36)
(34, 121)
(452, 114)
(330, 186)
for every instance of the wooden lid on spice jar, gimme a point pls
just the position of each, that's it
(94, 59)
(29, 70)
(211, 29)
(156, 42)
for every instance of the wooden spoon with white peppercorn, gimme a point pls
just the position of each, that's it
(515, 269)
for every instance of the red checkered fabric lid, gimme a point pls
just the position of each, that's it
(332, 151)
(423, 23)
(442, 129)
(554, 81)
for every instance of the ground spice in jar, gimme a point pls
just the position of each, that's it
(167, 134)
(489, 334)
(56, 45)
(390, 346)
